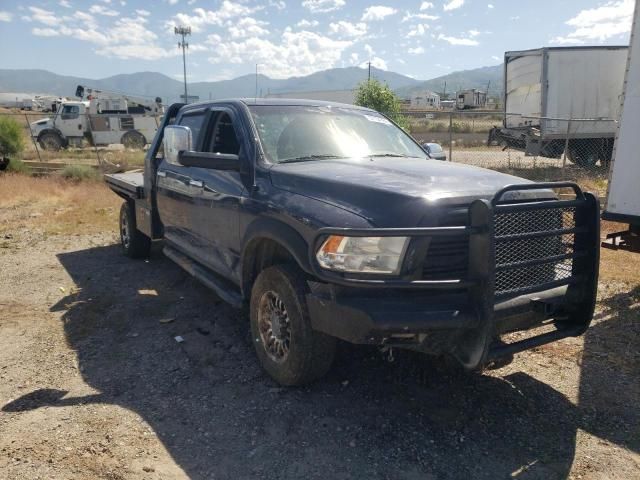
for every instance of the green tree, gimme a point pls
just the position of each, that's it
(378, 96)
(11, 137)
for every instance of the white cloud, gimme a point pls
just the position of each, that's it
(45, 32)
(323, 6)
(348, 29)
(376, 62)
(278, 4)
(172, 2)
(452, 5)
(473, 33)
(248, 27)
(418, 31)
(122, 37)
(228, 10)
(421, 16)
(5, 16)
(598, 24)
(64, 3)
(306, 23)
(377, 12)
(426, 6)
(295, 53)
(100, 10)
(489, 6)
(41, 15)
(416, 51)
(143, 13)
(467, 42)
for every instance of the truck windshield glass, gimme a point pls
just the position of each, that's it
(301, 133)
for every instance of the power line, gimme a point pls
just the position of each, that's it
(183, 32)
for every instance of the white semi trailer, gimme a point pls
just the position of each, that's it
(104, 118)
(623, 196)
(545, 87)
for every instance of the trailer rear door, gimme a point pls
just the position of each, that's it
(623, 199)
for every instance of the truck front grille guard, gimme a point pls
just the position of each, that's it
(515, 249)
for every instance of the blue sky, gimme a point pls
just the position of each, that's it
(422, 39)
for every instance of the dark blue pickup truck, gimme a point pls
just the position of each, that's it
(330, 222)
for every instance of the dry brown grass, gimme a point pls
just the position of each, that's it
(56, 206)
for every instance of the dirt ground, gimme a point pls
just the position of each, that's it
(94, 385)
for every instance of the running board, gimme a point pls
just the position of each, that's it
(205, 276)
(505, 349)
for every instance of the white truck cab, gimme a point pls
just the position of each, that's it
(66, 128)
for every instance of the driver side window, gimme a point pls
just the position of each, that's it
(224, 138)
(70, 112)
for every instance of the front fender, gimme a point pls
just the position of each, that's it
(279, 232)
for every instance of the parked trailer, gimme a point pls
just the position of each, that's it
(471, 98)
(545, 87)
(623, 196)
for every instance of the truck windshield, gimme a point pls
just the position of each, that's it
(300, 133)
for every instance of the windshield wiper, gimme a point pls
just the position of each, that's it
(399, 155)
(307, 158)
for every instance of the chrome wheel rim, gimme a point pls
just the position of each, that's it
(274, 326)
(125, 237)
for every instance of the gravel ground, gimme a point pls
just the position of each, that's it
(93, 385)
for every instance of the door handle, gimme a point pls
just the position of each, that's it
(162, 173)
(196, 183)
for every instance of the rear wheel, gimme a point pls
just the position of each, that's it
(135, 244)
(290, 351)
(133, 140)
(50, 141)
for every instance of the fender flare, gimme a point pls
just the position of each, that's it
(134, 131)
(270, 229)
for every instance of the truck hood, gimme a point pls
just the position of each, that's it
(393, 192)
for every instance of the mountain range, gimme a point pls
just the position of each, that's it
(153, 84)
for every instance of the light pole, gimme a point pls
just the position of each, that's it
(183, 32)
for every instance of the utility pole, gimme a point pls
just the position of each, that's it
(183, 32)
(255, 98)
(369, 78)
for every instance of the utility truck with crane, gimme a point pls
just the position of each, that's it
(101, 118)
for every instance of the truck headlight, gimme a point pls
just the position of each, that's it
(362, 254)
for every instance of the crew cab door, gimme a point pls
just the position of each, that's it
(198, 206)
(175, 190)
(71, 120)
(217, 194)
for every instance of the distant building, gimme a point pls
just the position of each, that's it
(339, 96)
(425, 99)
(471, 98)
(447, 104)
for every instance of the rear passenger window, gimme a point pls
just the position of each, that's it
(194, 122)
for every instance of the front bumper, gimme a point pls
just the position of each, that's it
(464, 316)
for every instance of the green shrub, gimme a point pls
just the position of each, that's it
(18, 166)
(378, 96)
(11, 137)
(79, 173)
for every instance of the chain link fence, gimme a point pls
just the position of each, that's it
(107, 141)
(535, 148)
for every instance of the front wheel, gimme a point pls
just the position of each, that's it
(290, 351)
(50, 141)
(135, 244)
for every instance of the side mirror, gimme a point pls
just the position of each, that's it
(177, 139)
(425, 147)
